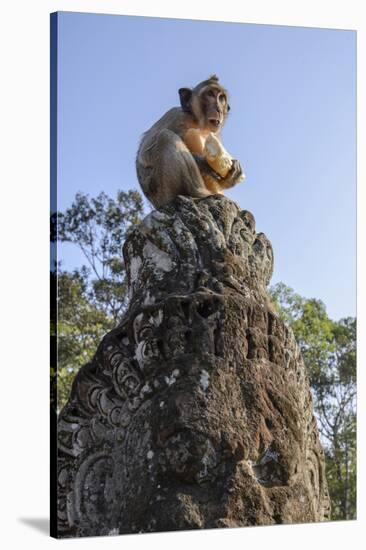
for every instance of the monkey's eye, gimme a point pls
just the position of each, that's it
(211, 93)
(222, 98)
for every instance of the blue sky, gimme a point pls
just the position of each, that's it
(292, 125)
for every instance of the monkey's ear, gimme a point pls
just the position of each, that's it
(185, 95)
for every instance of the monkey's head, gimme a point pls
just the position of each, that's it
(207, 102)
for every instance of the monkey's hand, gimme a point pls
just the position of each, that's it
(234, 175)
(206, 169)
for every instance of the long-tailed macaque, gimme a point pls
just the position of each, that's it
(170, 163)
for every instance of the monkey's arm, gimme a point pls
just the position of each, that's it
(233, 177)
(206, 169)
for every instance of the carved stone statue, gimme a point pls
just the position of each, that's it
(196, 410)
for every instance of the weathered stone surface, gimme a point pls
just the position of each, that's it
(196, 411)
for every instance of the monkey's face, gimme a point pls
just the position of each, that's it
(214, 107)
(208, 103)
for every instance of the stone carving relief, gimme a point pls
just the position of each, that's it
(198, 402)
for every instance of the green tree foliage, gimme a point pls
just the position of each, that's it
(91, 299)
(329, 351)
(81, 325)
(99, 226)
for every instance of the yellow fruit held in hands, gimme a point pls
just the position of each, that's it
(217, 157)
